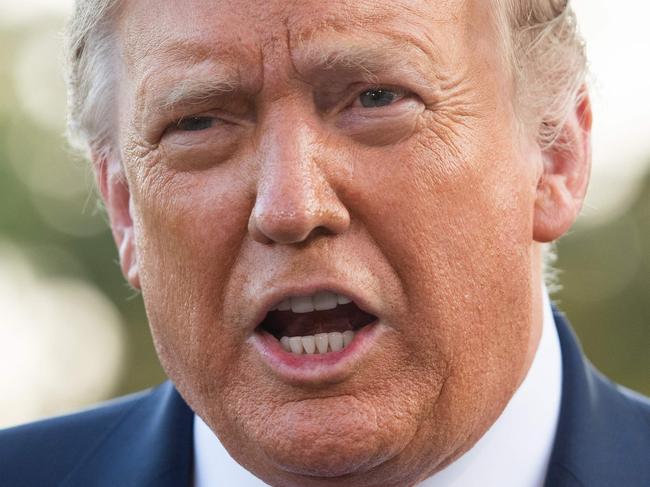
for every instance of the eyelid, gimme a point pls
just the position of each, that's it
(400, 92)
(174, 125)
(190, 117)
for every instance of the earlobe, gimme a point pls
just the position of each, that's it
(562, 185)
(115, 192)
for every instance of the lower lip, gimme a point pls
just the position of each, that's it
(313, 368)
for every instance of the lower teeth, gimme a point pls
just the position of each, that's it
(317, 344)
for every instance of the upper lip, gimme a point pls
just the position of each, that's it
(280, 293)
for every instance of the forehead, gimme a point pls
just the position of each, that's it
(249, 31)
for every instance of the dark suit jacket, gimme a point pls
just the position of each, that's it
(603, 438)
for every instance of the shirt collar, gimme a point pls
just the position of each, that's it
(517, 448)
(514, 451)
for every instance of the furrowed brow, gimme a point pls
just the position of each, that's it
(369, 61)
(195, 91)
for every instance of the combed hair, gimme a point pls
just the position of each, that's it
(542, 42)
(548, 59)
(92, 67)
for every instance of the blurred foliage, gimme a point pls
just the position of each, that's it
(50, 212)
(47, 223)
(605, 274)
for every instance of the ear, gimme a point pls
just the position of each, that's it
(115, 192)
(563, 183)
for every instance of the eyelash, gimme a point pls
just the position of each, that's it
(398, 94)
(194, 118)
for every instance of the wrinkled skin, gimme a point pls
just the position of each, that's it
(432, 207)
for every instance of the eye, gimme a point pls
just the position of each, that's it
(379, 97)
(194, 124)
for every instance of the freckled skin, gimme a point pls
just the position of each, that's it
(426, 207)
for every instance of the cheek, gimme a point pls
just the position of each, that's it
(188, 230)
(448, 213)
(461, 245)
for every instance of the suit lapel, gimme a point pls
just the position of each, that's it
(151, 446)
(603, 436)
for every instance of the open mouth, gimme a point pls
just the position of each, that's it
(322, 323)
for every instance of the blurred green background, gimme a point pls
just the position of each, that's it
(65, 305)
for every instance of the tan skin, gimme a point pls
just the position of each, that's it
(432, 206)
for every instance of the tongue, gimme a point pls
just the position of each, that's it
(341, 318)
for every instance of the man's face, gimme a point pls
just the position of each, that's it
(283, 149)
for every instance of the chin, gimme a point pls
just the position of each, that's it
(327, 438)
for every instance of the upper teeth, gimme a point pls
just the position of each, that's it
(317, 302)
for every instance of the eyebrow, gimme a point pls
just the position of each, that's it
(195, 91)
(347, 55)
(311, 58)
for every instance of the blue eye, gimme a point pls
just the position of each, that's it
(376, 98)
(195, 124)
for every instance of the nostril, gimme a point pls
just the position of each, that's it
(255, 231)
(289, 214)
(284, 227)
(291, 227)
(319, 231)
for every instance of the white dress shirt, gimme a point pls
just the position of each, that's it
(515, 451)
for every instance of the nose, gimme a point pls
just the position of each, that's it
(295, 199)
